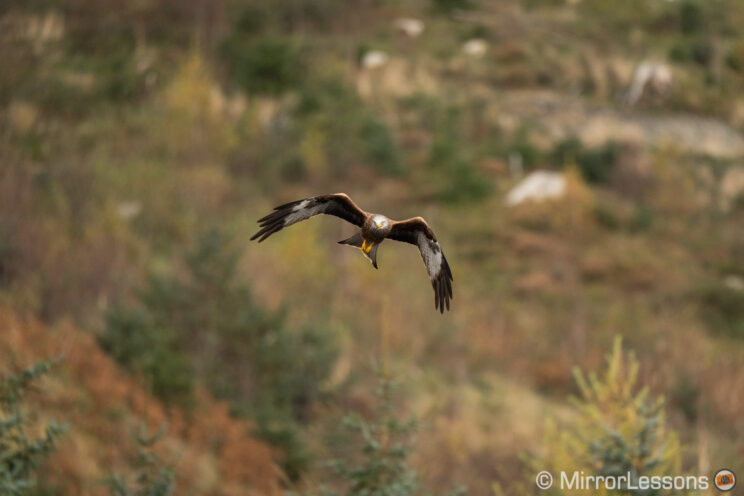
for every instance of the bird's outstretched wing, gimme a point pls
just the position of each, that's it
(290, 213)
(417, 232)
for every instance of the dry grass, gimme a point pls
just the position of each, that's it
(210, 451)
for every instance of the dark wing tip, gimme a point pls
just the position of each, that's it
(442, 285)
(442, 292)
(273, 222)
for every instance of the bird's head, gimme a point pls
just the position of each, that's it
(379, 222)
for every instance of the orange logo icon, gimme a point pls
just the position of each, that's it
(725, 480)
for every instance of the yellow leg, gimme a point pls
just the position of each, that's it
(364, 246)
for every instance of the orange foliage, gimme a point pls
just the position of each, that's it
(211, 452)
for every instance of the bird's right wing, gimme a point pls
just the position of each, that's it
(290, 213)
(417, 232)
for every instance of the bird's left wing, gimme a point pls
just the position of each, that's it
(417, 232)
(290, 213)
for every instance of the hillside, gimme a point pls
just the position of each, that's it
(139, 143)
(104, 409)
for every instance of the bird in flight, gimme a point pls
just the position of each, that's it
(373, 230)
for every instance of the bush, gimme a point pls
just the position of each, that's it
(268, 65)
(722, 308)
(450, 6)
(205, 326)
(690, 17)
(595, 164)
(451, 159)
(380, 466)
(150, 478)
(698, 51)
(614, 430)
(380, 147)
(19, 453)
(642, 218)
(566, 151)
(135, 340)
(331, 143)
(524, 149)
(464, 183)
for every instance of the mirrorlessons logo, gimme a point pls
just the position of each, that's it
(724, 480)
(580, 480)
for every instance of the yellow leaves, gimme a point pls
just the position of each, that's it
(615, 428)
(193, 91)
(199, 113)
(621, 376)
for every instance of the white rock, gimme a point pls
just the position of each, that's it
(374, 59)
(734, 282)
(475, 48)
(413, 28)
(655, 75)
(537, 186)
(22, 115)
(47, 28)
(128, 210)
(732, 186)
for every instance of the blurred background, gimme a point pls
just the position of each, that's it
(581, 162)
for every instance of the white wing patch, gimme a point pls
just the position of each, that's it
(300, 212)
(432, 255)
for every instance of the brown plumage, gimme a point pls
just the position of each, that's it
(373, 230)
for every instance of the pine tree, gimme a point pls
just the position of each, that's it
(20, 453)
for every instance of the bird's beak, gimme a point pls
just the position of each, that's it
(379, 225)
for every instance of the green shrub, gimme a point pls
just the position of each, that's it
(527, 151)
(443, 151)
(463, 183)
(19, 453)
(344, 130)
(290, 15)
(293, 168)
(595, 164)
(451, 160)
(699, 51)
(204, 325)
(690, 17)
(642, 218)
(136, 341)
(150, 477)
(450, 6)
(318, 14)
(614, 430)
(686, 396)
(251, 22)
(722, 308)
(269, 65)
(607, 217)
(379, 466)
(380, 147)
(566, 151)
